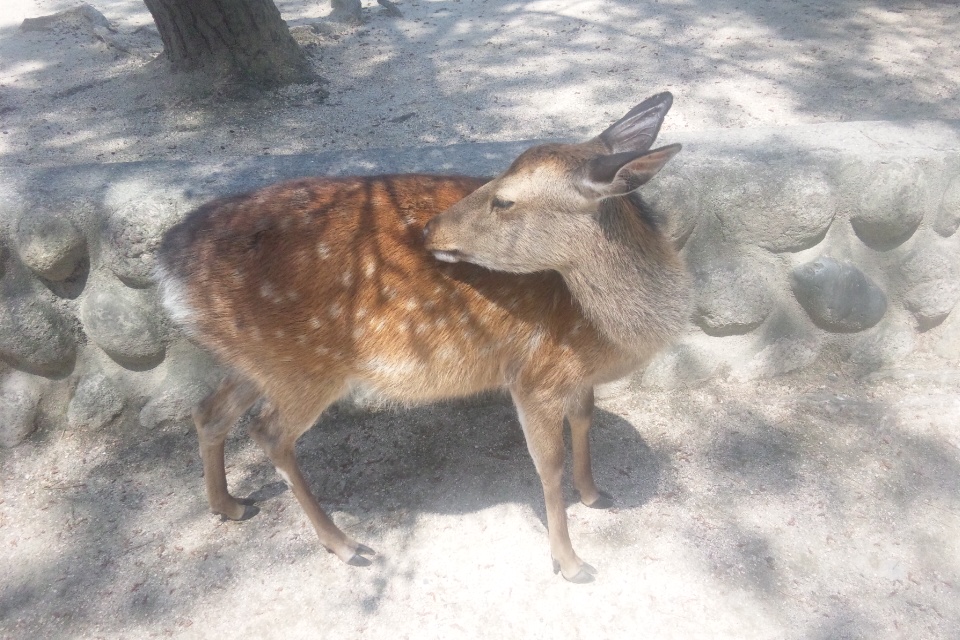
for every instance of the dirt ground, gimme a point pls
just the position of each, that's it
(820, 505)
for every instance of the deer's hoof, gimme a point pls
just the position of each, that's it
(604, 501)
(358, 561)
(249, 510)
(583, 576)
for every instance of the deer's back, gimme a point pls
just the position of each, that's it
(329, 278)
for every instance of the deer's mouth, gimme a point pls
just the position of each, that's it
(448, 255)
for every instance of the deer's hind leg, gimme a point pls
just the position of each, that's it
(276, 430)
(214, 417)
(580, 417)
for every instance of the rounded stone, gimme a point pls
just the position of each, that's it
(676, 200)
(931, 279)
(19, 402)
(838, 296)
(948, 217)
(947, 344)
(886, 344)
(121, 321)
(132, 235)
(766, 208)
(732, 296)
(49, 244)
(34, 337)
(191, 375)
(777, 358)
(891, 206)
(96, 401)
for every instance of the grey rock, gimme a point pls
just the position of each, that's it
(83, 16)
(891, 206)
(390, 8)
(677, 202)
(777, 358)
(122, 322)
(948, 217)
(34, 337)
(931, 279)
(191, 375)
(49, 244)
(19, 400)
(732, 295)
(96, 401)
(348, 11)
(132, 235)
(766, 208)
(683, 364)
(838, 296)
(947, 344)
(883, 345)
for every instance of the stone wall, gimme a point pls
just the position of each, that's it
(834, 243)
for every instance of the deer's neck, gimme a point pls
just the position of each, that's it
(629, 281)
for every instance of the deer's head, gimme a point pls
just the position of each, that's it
(530, 217)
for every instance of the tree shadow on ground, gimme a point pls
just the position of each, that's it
(127, 544)
(478, 70)
(831, 505)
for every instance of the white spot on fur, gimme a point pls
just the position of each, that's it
(301, 339)
(361, 313)
(335, 310)
(411, 304)
(536, 339)
(358, 331)
(173, 296)
(293, 295)
(266, 291)
(408, 220)
(315, 322)
(392, 367)
(279, 333)
(322, 351)
(369, 267)
(346, 279)
(323, 251)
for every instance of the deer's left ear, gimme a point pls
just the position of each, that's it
(620, 173)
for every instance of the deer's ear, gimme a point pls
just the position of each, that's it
(637, 130)
(620, 173)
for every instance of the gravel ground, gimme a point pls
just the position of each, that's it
(814, 506)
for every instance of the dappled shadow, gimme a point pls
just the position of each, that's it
(829, 503)
(463, 71)
(131, 544)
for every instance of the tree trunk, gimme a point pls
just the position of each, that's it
(243, 41)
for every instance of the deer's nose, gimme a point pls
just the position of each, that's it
(427, 232)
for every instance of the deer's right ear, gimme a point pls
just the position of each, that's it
(620, 173)
(636, 131)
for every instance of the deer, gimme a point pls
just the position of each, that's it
(545, 281)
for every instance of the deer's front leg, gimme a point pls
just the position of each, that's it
(541, 417)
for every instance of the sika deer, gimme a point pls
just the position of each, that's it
(312, 288)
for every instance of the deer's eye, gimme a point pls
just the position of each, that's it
(501, 204)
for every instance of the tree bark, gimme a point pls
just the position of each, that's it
(236, 41)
